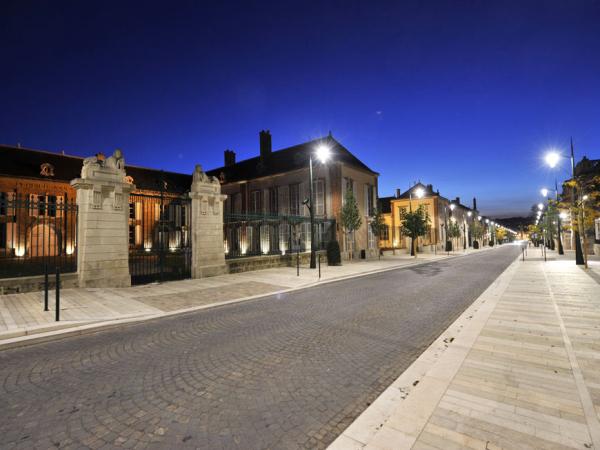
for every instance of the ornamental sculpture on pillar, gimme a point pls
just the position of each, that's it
(208, 254)
(102, 232)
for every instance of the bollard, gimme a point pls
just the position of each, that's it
(319, 266)
(46, 288)
(57, 293)
(298, 263)
(523, 253)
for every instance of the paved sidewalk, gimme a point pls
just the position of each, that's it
(22, 314)
(519, 369)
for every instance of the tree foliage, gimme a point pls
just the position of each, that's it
(350, 216)
(477, 230)
(414, 224)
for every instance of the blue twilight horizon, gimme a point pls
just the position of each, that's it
(466, 95)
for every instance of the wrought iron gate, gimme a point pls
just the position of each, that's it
(159, 238)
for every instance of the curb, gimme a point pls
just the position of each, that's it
(400, 413)
(26, 338)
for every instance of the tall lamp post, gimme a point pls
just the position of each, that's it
(552, 159)
(322, 153)
(419, 193)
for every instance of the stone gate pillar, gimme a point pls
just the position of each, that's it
(208, 252)
(102, 223)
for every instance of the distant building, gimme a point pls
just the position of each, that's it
(442, 212)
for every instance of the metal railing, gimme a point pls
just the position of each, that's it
(247, 235)
(37, 231)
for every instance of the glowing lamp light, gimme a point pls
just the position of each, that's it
(469, 213)
(452, 206)
(544, 192)
(20, 251)
(478, 217)
(69, 250)
(323, 153)
(563, 215)
(540, 206)
(487, 220)
(552, 158)
(585, 197)
(419, 192)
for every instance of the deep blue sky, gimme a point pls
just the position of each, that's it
(462, 94)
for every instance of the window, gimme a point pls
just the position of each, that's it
(369, 200)
(385, 233)
(131, 235)
(3, 235)
(51, 200)
(319, 193)
(255, 203)
(294, 199)
(3, 203)
(132, 211)
(370, 237)
(273, 200)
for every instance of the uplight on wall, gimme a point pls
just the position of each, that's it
(20, 251)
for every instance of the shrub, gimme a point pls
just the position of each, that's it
(448, 246)
(475, 245)
(491, 243)
(333, 253)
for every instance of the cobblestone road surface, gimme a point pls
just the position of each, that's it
(288, 371)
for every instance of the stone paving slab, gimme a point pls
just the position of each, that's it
(522, 372)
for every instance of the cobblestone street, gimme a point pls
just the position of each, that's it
(286, 371)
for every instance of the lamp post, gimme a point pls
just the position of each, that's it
(322, 153)
(552, 159)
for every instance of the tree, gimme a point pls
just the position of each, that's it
(414, 224)
(378, 226)
(453, 231)
(477, 233)
(350, 216)
(500, 234)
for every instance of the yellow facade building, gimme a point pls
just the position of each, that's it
(442, 212)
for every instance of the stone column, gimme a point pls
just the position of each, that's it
(208, 252)
(102, 223)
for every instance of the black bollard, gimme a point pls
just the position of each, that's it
(298, 263)
(523, 253)
(57, 294)
(319, 266)
(46, 288)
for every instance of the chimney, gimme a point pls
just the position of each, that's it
(457, 200)
(265, 144)
(229, 158)
(430, 187)
(397, 193)
(474, 203)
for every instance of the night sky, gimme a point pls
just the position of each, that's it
(466, 95)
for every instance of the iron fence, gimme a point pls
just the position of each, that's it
(159, 238)
(257, 234)
(37, 230)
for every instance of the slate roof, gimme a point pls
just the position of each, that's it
(286, 160)
(25, 163)
(385, 204)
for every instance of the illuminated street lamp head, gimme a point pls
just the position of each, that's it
(552, 158)
(540, 206)
(452, 206)
(544, 192)
(563, 215)
(323, 153)
(585, 197)
(419, 192)
(469, 213)
(478, 217)
(487, 220)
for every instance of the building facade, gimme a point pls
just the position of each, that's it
(443, 213)
(277, 183)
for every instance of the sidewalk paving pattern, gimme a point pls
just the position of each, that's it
(530, 380)
(286, 371)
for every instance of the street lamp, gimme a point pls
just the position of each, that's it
(552, 159)
(419, 193)
(322, 153)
